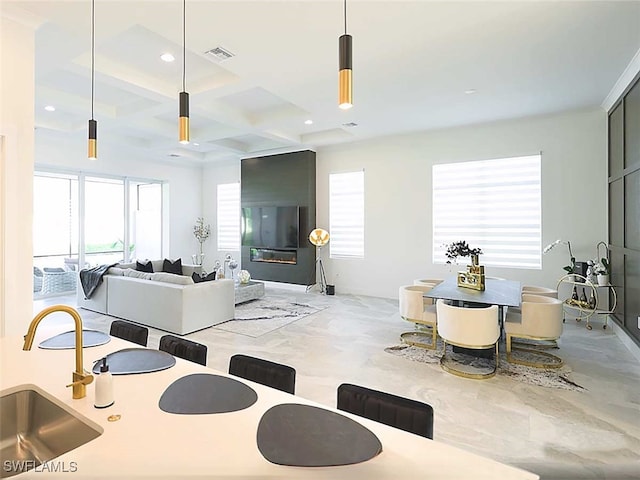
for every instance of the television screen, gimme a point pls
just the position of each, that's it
(270, 227)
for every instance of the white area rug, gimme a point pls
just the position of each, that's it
(551, 378)
(259, 317)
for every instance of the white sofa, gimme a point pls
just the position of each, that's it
(155, 300)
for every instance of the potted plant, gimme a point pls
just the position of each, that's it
(571, 268)
(602, 269)
(462, 249)
(202, 233)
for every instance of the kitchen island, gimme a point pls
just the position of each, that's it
(147, 442)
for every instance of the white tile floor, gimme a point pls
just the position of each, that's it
(558, 434)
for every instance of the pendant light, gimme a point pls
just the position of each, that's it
(184, 96)
(93, 125)
(345, 81)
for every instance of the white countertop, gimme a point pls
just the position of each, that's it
(148, 442)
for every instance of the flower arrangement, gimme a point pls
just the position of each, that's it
(201, 231)
(460, 249)
(601, 267)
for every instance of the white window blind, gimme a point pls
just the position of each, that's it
(346, 214)
(491, 204)
(228, 214)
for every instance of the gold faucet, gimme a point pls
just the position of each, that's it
(81, 378)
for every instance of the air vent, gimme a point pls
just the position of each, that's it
(350, 124)
(219, 54)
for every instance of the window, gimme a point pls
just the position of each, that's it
(491, 204)
(346, 214)
(110, 233)
(228, 216)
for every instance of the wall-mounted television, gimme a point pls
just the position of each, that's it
(271, 227)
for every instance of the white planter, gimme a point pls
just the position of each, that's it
(603, 280)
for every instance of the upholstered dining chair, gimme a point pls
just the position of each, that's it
(429, 282)
(130, 332)
(543, 291)
(540, 319)
(183, 348)
(472, 328)
(271, 374)
(413, 309)
(399, 412)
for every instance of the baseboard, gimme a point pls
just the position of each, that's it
(625, 339)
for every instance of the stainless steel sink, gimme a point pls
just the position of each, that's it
(35, 428)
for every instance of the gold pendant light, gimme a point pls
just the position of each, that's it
(93, 125)
(345, 80)
(184, 96)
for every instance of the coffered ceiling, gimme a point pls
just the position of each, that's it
(413, 64)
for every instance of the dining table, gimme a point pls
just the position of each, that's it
(159, 432)
(503, 293)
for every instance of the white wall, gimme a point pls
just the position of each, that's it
(213, 175)
(398, 240)
(185, 181)
(16, 174)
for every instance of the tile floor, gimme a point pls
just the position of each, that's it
(557, 434)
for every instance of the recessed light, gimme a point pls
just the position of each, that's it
(196, 144)
(167, 57)
(471, 91)
(50, 108)
(308, 122)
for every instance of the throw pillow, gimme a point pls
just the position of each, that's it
(144, 267)
(197, 278)
(172, 267)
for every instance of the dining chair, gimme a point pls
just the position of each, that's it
(470, 328)
(183, 348)
(413, 309)
(130, 332)
(271, 374)
(543, 291)
(540, 319)
(399, 412)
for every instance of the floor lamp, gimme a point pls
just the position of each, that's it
(319, 238)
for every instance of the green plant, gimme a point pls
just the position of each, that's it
(460, 249)
(602, 267)
(570, 269)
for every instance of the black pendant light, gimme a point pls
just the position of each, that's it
(184, 96)
(345, 81)
(93, 125)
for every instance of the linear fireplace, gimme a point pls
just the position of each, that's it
(270, 255)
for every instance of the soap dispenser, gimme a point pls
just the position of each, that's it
(104, 386)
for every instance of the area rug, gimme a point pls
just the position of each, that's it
(259, 317)
(551, 378)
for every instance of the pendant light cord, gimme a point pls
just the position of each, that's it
(184, 44)
(345, 17)
(93, 51)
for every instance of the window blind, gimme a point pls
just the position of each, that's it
(228, 216)
(491, 204)
(346, 214)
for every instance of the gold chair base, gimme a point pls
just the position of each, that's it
(558, 362)
(460, 373)
(413, 339)
(551, 344)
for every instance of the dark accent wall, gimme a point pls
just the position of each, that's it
(282, 180)
(624, 207)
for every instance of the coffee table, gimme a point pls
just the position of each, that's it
(248, 291)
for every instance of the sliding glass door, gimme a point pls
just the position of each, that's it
(84, 221)
(103, 221)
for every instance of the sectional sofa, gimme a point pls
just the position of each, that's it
(166, 301)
